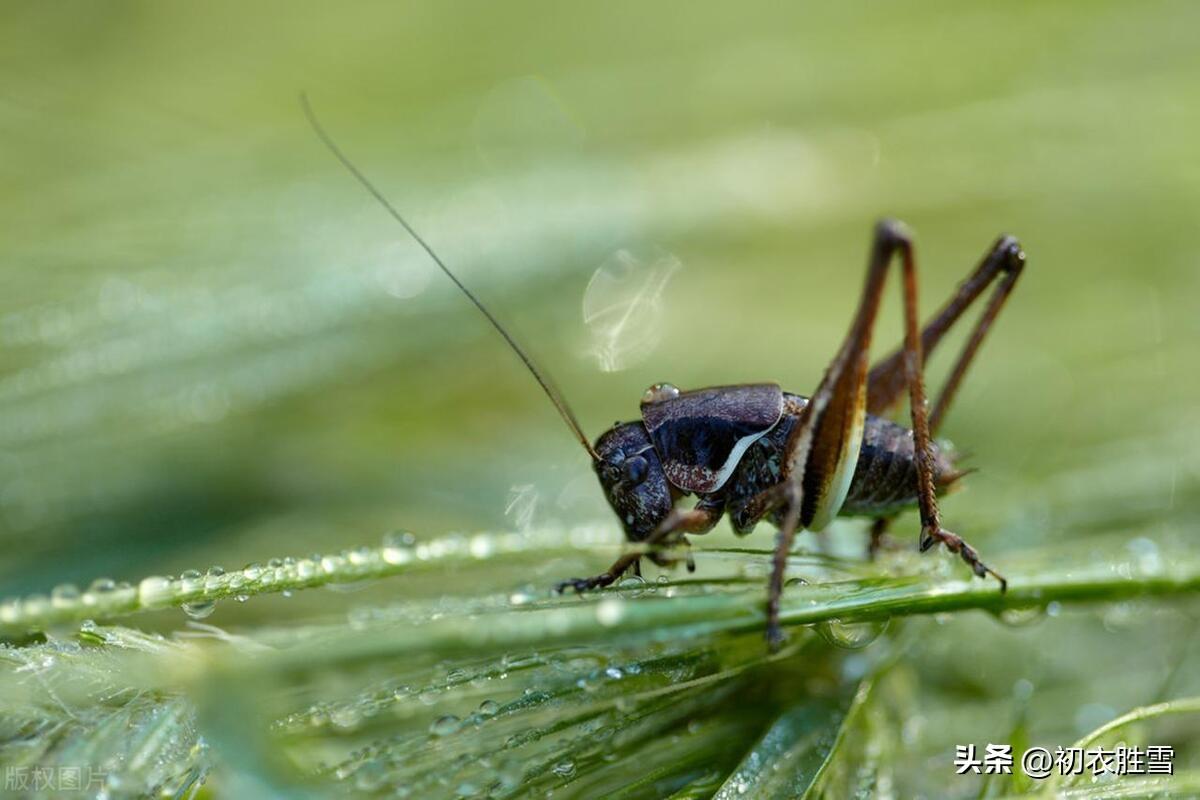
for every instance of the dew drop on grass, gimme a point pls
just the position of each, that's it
(345, 717)
(1020, 617)
(564, 769)
(189, 580)
(398, 547)
(850, 636)
(200, 609)
(65, 594)
(370, 777)
(489, 708)
(521, 597)
(102, 586)
(632, 585)
(153, 590)
(213, 578)
(444, 725)
(610, 611)
(10, 610)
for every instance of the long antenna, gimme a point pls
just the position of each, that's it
(542, 378)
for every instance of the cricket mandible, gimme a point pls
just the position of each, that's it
(755, 452)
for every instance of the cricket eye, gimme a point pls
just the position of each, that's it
(635, 470)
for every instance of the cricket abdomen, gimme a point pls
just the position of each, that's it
(884, 480)
(885, 477)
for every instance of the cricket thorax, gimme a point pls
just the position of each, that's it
(884, 481)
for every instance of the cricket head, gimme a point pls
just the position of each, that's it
(633, 479)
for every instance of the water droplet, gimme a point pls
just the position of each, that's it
(370, 777)
(564, 769)
(632, 585)
(851, 636)
(1020, 617)
(489, 708)
(445, 725)
(521, 597)
(482, 545)
(10, 610)
(614, 673)
(610, 611)
(252, 571)
(1053, 608)
(1146, 553)
(398, 548)
(659, 392)
(154, 590)
(214, 578)
(190, 581)
(63, 595)
(102, 586)
(345, 717)
(201, 609)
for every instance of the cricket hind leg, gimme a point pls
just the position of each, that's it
(822, 449)
(698, 520)
(886, 381)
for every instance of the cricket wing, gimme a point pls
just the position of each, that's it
(701, 435)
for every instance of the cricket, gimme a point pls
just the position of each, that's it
(754, 452)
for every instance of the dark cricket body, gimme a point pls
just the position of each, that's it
(755, 452)
(727, 445)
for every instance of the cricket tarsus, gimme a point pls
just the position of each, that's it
(542, 377)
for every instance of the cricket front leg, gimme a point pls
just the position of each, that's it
(698, 520)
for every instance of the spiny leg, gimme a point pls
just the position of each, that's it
(886, 382)
(931, 522)
(886, 379)
(823, 448)
(783, 546)
(701, 519)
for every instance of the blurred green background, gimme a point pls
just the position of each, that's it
(214, 348)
